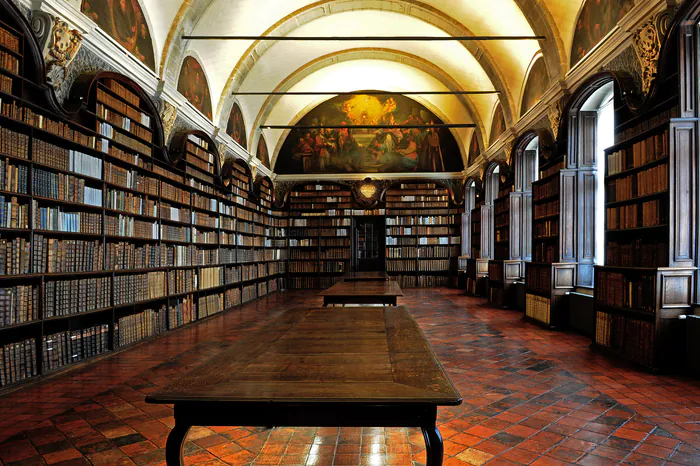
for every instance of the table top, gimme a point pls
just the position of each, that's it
(378, 288)
(309, 355)
(368, 276)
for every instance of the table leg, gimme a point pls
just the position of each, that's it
(433, 446)
(174, 445)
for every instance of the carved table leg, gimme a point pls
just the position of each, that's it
(433, 446)
(174, 445)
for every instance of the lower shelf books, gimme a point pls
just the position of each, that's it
(249, 293)
(65, 348)
(13, 177)
(137, 327)
(181, 313)
(210, 305)
(400, 265)
(302, 283)
(626, 292)
(538, 308)
(433, 265)
(638, 253)
(430, 281)
(17, 362)
(327, 282)
(233, 297)
(211, 277)
(632, 337)
(406, 281)
(67, 297)
(18, 304)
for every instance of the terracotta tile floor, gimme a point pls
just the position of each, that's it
(530, 397)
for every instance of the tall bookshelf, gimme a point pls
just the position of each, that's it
(645, 283)
(423, 235)
(477, 267)
(504, 269)
(550, 274)
(275, 247)
(320, 227)
(104, 242)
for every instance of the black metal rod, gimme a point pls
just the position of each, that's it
(368, 38)
(368, 93)
(442, 125)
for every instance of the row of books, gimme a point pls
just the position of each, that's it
(638, 253)
(433, 265)
(333, 267)
(50, 218)
(550, 188)
(211, 277)
(14, 256)
(18, 304)
(128, 256)
(626, 292)
(65, 188)
(643, 152)
(9, 40)
(13, 143)
(137, 327)
(546, 229)
(632, 337)
(545, 210)
(648, 123)
(13, 177)
(67, 297)
(432, 281)
(211, 304)
(552, 169)
(9, 62)
(546, 252)
(646, 214)
(53, 255)
(124, 108)
(133, 179)
(17, 361)
(539, 278)
(182, 281)
(643, 183)
(6, 84)
(72, 346)
(117, 199)
(139, 287)
(124, 122)
(13, 214)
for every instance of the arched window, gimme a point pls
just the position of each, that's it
(491, 185)
(469, 204)
(592, 130)
(526, 165)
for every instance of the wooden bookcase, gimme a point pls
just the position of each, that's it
(320, 225)
(550, 274)
(105, 242)
(423, 235)
(504, 268)
(645, 283)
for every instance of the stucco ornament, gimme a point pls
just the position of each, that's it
(60, 45)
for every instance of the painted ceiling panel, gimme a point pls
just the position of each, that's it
(363, 75)
(161, 14)
(564, 15)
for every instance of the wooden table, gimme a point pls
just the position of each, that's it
(365, 277)
(376, 292)
(364, 367)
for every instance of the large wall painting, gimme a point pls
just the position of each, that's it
(192, 84)
(236, 126)
(328, 150)
(124, 21)
(498, 124)
(537, 83)
(596, 19)
(262, 154)
(474, 149)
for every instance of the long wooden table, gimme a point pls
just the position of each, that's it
(365, 277)
(364, 367)
(374, 292)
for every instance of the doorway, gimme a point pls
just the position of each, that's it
(368, 244)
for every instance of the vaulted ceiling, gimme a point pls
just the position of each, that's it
(234, 66)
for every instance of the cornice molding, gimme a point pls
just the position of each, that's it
(374, 176)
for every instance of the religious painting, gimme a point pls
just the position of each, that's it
(596, 19)
(124, 21)
(535, 86)
(262, 154)
(192, 84)
(498, 124)
(330, 144)
(474, 149)
(236, 126)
